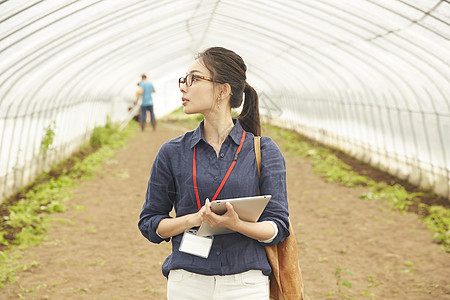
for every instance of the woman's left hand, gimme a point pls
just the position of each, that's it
(230, 219)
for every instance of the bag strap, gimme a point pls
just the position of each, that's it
(257, 142)
(293, 280)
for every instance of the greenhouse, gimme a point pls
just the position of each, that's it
(369, 78)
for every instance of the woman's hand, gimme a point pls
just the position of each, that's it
(230, 219)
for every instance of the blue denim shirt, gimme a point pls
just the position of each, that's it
(171, 186)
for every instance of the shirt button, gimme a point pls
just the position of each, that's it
(222, 155)
(218, 252)
(215, 178)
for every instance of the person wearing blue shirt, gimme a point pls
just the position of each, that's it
(190, 169)
(147, 102)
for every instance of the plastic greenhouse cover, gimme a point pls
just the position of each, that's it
(361, 74)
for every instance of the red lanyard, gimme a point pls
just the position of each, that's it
(194, 173)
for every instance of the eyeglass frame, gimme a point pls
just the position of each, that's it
(184, 79)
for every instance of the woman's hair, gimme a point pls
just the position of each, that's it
(228, 67)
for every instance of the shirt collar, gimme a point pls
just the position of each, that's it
(235, 133)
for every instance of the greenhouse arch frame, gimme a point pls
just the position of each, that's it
(369, 77)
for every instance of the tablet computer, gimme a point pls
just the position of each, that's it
(248, 209)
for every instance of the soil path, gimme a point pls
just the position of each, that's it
(349, 248)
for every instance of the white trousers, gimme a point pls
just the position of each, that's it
(184, 285)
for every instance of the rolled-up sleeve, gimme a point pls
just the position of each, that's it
(273, 182)
(159, 198)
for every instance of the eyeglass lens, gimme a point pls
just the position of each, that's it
(186, 80)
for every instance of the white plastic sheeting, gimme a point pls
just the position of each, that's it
(368, 76)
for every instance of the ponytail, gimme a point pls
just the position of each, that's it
(249, 117)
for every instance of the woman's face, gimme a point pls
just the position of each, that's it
(200, 96)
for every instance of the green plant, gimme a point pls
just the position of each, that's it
(368, 293)
(3, 241)
(9, 266)
(395, 194)
(340, 281)
(372, 281)
(104, 135)
(438, 220)
(334, 170)
(49, 136)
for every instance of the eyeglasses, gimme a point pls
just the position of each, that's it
(190, 78)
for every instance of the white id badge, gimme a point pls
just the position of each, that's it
(196, 245)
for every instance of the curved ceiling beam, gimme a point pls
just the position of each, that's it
(210, 20)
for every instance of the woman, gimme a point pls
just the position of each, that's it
(237, 266)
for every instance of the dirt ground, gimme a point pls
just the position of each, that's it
(349, 248)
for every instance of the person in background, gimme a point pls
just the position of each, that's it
(190, 169)
(147, 102)
(139, 92)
